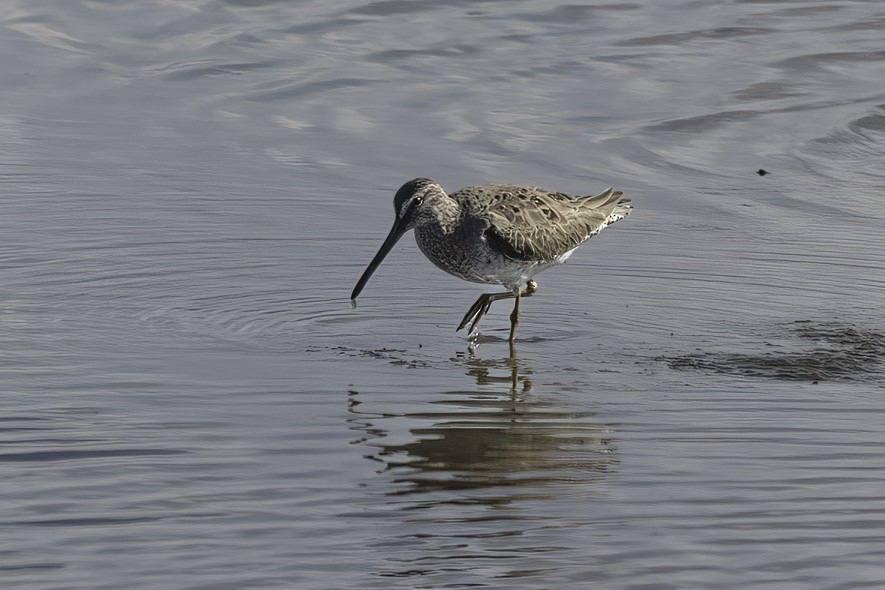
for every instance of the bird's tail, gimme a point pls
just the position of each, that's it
(614, 203)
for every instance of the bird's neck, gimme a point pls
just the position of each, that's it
(447, 212)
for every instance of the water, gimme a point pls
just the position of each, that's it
(189, 190)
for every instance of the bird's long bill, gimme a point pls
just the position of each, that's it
(396, 232)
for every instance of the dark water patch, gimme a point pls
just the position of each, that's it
(713, 121)
(837, 353)
(31, 566)
(76, 455)
(20, 419)
(811, 62)
(201, 69)
(81, 522)
(391, 7)
(254, 3)
(869, 24)
(447, 52)
(681, 39)
(323, 26)
(44, 441)
(705, 123)
(802, 10)
(873, 122)
(766, 91)
(302, 89)
(571, 13)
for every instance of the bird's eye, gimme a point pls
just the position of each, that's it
(419, 200)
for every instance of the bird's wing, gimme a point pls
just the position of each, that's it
(532, 223)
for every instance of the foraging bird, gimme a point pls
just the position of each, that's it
(496, 234)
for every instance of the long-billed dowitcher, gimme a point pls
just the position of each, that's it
(497, 234)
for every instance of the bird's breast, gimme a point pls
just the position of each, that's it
(466, 254)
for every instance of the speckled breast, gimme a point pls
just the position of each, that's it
(466, 254)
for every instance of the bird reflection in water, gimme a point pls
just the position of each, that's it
(494, 371)
(491, 437)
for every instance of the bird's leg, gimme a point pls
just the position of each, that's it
(514, 318)
(481, 306)
(529, 290)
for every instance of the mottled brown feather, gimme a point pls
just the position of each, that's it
(527, 223)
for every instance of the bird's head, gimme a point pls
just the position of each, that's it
(413, 203)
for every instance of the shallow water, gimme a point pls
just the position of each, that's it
(190, 190)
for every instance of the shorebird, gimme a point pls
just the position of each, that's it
(496, 234)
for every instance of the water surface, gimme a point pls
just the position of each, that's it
(189, 191)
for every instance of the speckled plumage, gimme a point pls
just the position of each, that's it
(497, 234)
(505, 234)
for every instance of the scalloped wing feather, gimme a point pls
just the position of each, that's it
(535, 224)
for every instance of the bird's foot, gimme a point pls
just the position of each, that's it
(479, 308)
